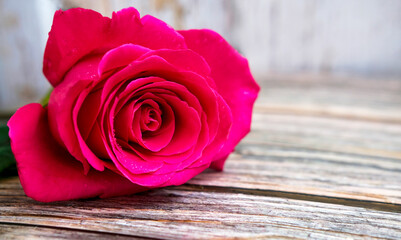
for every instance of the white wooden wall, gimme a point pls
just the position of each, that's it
(354, 37)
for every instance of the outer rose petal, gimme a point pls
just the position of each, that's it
(62, 102)
(78, 32)
(234, 82)
(74, 34)
(47, 172)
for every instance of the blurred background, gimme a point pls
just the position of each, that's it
(350, 39)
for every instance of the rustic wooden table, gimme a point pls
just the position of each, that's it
(323, 161)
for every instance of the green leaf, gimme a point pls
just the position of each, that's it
(6, 158)
(45, 100)
(4, 139)
(7, 161)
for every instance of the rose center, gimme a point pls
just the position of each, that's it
(150, 118)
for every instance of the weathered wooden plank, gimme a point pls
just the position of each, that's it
(340, 135)
(331, 96)
(333, 137)
(314, 155)
(21, 231)
(185, 212)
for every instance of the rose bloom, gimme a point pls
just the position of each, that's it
(136, 105)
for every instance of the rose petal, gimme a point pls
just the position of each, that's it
(63, 100)
(151, 118)
(166, 90)
(156, 34)
(152, 66)
(128, 120)
(120, 57)
(182, 59)
(139, 125)
(183, 176)
(74, 34)
(123, 122)
(216, 144)
(159, 67)
(47, 172)
(134, 164)
(188, 86)
(147, 179)
(187, 127)
(77, 32)
(96, 142)
(233, 79)
(93, 160)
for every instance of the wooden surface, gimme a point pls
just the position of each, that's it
(323, 161)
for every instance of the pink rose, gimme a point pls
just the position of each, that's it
(136, 105)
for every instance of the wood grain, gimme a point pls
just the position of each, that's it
(366, 99)
(300, 170)
(174, 213)
(343, 140)
(32, 232)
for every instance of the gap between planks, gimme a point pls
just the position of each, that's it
(381, 206)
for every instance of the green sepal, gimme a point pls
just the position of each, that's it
(45, 100)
